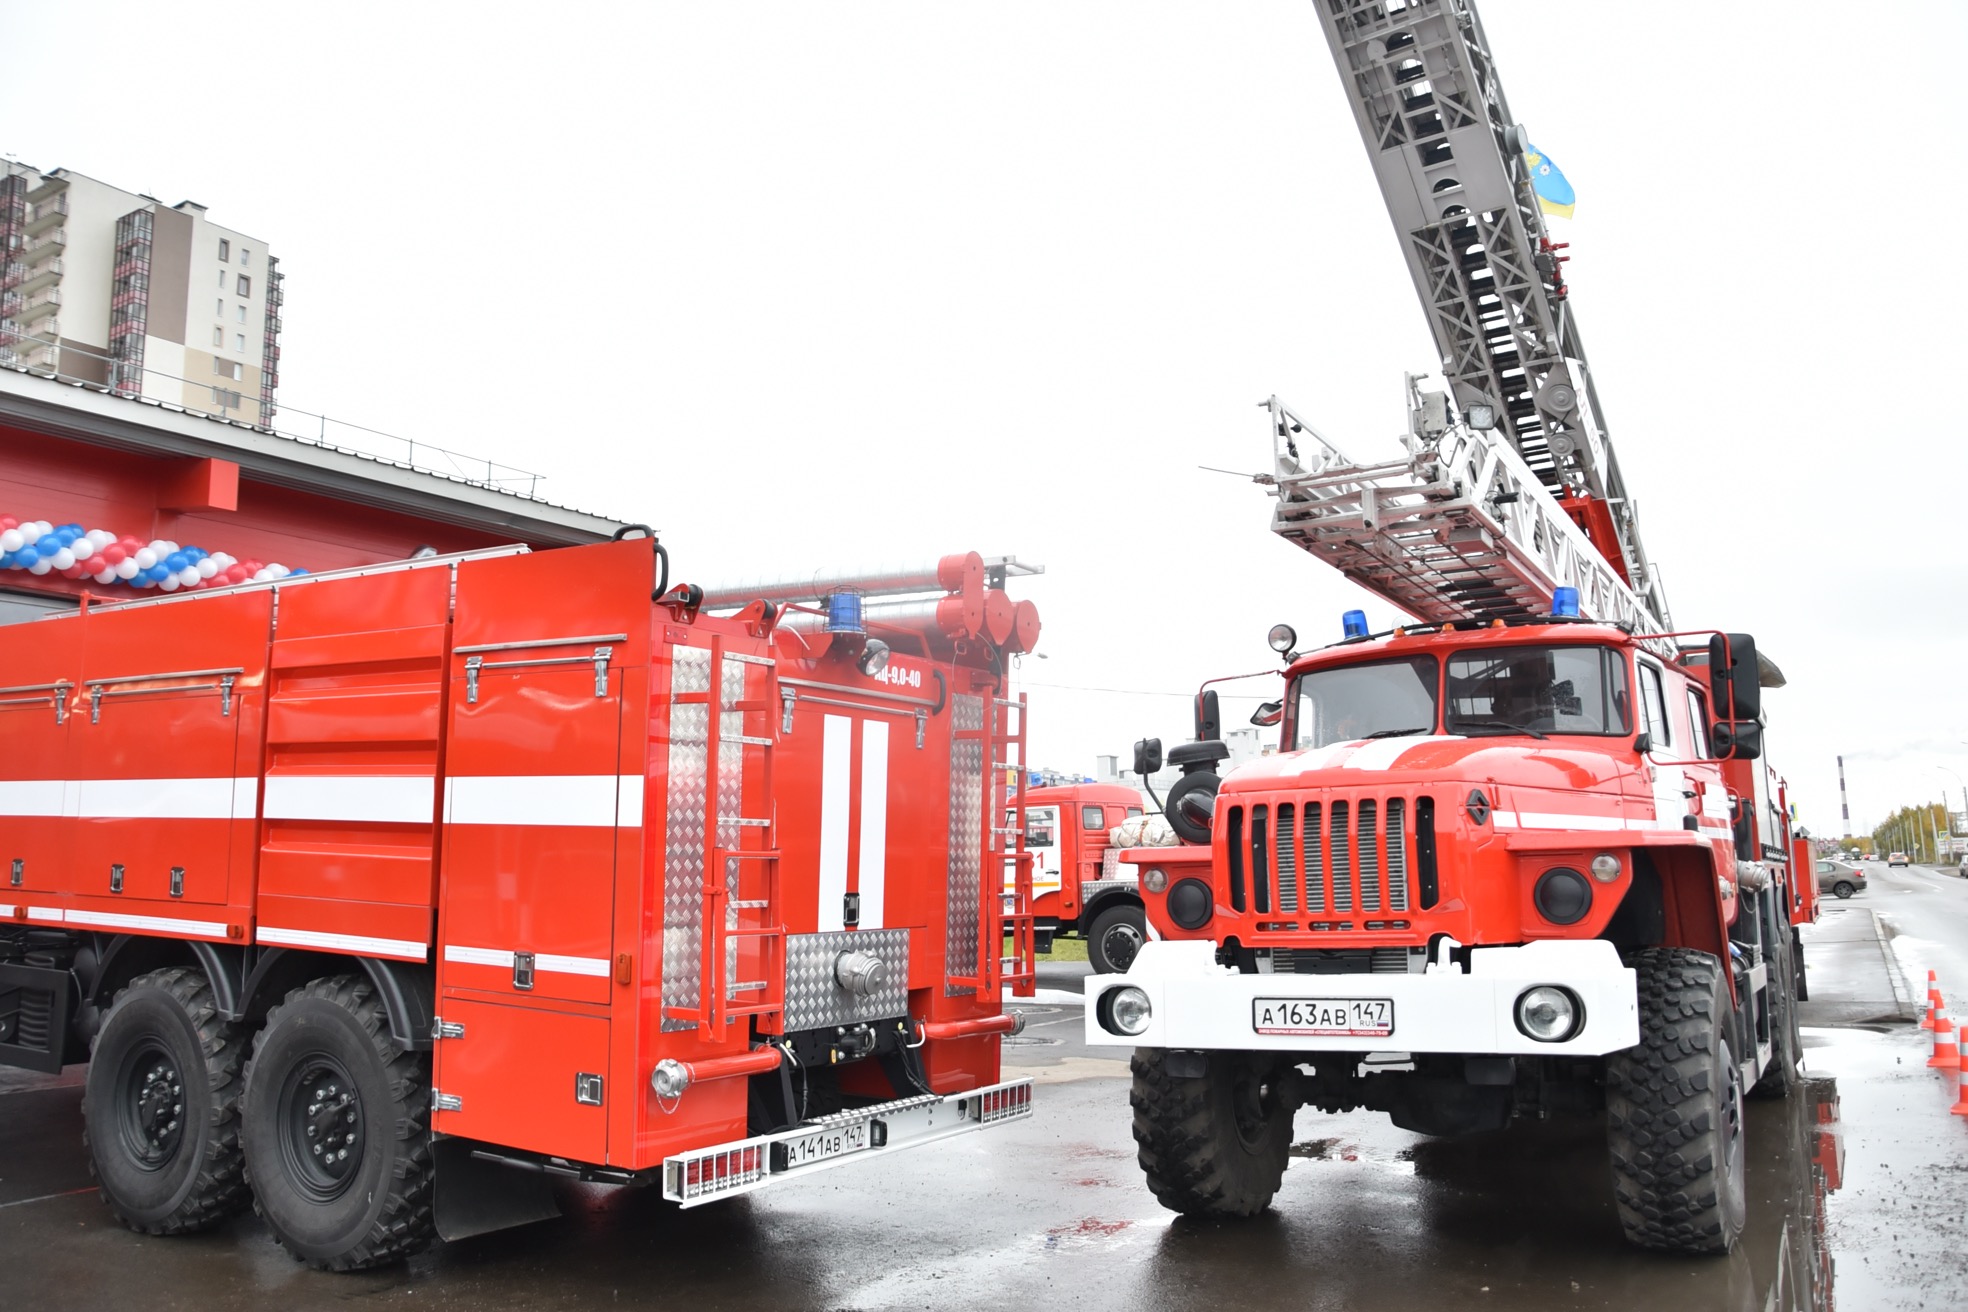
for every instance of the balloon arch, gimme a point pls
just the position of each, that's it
(74, 552)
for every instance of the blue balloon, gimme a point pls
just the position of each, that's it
(47, 547)
(7, 560)
(157, 573)
(195, 554)
(295, 573)
(177, 561)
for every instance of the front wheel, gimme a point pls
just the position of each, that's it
(1115, 937)
(337, 1130)
(1844, 888)
(1674, 1110)
(1216, 1144)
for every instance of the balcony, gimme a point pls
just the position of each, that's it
(52, 214)
(47, 189)
(129, 296)
(47, 275)
(49, 247)
(120, 329)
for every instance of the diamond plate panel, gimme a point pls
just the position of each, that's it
(813, 999)
(683, 838)
(966, 839)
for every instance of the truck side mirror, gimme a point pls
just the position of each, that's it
(1148, 756)
(1268, 714)
(1209, 719)
(1739, 740)
(1734, 678)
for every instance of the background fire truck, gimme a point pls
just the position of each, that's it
(1520, 857)
(379, 898)
(1078, 887)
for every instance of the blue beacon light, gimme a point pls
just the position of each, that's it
(844, 613)
(1355, 623)
(1565, 603)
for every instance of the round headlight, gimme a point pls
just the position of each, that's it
(1548, 1014)
(1125, 1010)
(1190, 904)
(1562, 895)
(1605, 867)
(1154, 879)
(874, 658)
(1281, 637)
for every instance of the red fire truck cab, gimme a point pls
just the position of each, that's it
(1493, 871)
(380, 897)
(1077, 886)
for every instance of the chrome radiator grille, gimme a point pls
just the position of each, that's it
(1340, 856)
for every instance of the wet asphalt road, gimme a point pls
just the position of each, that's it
(1858, 1191)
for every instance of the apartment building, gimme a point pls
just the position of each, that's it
(117, 289)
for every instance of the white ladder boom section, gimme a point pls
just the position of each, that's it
(1460, 529)
(1448, 157)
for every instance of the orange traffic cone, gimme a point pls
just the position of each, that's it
(1933, 1000)
(1960, 1107)
(1947, 1053)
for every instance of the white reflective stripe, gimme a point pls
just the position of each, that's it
(873, 870)
(45, 913)
(1559, 820)
(6, 908)
(313, 938)
(25, 797)
(550, 962)
(628, 803)
(131, 799)
(572, 800)
(836, 760)
(117, 920)
(386, 799)
(1385, 753)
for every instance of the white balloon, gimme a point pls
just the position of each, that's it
(12, 540)
(102, 537)
(30, 533)
(44, 526)
(107, 576)
(42, 566)
(169, 583)
(145, 557)
(65, 558)
(280, 571)
(188, 575)
(207, 567)
(83, 548)
(128, 568)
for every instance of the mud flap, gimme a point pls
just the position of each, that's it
(476, 1197)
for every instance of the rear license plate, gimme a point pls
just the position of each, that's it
(820, 1146)
(1366, 1018)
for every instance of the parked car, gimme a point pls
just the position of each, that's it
(1839, 879)
(1895, 859)
(1962, 869)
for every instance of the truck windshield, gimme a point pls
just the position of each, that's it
(1537, 690)
(1378, 699)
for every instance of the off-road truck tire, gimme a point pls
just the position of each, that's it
(1213, 1145)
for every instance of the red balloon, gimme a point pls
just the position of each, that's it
(114, 553)
(7, 522)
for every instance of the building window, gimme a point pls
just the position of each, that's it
(218, 365)
(245, 257)
(225, 250)
(221, 279)
(225, 398)
(236, 372)
(221, 310)
(245, 285)
(242, 314)
(239, 342)
(218, 337)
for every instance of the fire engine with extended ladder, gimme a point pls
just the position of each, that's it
(1521, 856)
(382, 898)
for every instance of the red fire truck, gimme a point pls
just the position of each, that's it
(1519, 857)
(1077, 885)
(380, 898)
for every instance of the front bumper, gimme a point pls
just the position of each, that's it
(1197, 1004)
(745, 1165)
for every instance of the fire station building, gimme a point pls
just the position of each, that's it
(110, 496)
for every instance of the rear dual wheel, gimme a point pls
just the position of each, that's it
(337, 1130)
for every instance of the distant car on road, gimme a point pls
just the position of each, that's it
(1896, 859)
(1871, 856)
(1839, 879)
(1962, 869)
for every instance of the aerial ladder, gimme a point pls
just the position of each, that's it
(1509, 488)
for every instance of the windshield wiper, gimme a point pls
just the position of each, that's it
(1493, 727)
(1400, 733)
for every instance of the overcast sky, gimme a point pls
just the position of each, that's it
(838, 284)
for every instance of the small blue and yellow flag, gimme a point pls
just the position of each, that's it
(1553, 192)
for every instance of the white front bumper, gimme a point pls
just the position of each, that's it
(1198, 1004)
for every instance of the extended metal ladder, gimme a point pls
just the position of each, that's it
(1002, 750)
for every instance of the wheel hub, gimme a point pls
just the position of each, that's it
(322, 1128)
(1120, 944)
(153, 1107)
